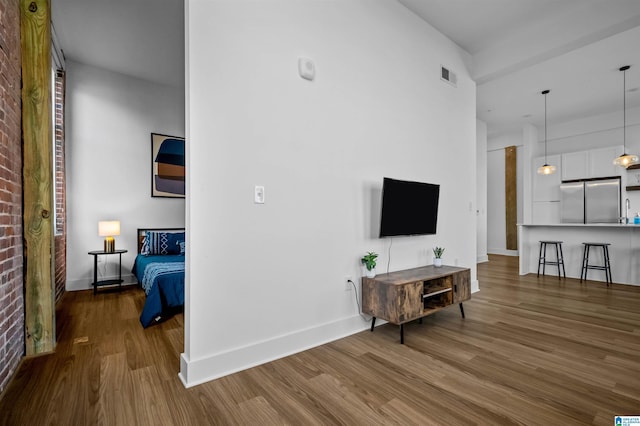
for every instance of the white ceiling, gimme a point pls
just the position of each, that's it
(521, 47)
(476, 25)
(142, 38)
(518, 48)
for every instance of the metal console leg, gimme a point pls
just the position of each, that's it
(373, 323)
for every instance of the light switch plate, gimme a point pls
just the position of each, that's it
(258, 195)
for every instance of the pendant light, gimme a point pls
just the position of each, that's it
(546, 169)
(625, 160)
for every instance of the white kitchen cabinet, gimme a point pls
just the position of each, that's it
(594, 163)
(546, 187)
(601, 162)
(575, 165)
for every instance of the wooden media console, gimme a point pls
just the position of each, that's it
(403, 296)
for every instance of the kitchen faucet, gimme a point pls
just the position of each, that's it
(628, 207)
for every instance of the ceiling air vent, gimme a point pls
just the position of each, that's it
(448, 76)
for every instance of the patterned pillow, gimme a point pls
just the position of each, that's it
(157, 242)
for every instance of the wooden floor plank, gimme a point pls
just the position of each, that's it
(149, 407)
(531, 350)
(116, 404)
(397, 412)
(257, 411)
(285, 390)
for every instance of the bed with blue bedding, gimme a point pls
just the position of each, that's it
(159, 268)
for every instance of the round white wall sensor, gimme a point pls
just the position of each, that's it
(306, 68)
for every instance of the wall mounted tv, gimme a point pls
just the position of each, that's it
(408, 208)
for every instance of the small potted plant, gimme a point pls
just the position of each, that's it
(369, 262)
(437, 253)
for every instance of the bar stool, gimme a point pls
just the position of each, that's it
(542, 257)
(605, 256)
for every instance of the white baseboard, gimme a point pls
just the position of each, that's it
(85, 284)
(503, 252)
(194, 372)
(482, 259)
(198, 371)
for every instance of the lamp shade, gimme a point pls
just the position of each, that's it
(546, 169)
(109, 228)
(625, 160)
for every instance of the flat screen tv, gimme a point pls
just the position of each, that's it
(408, 208)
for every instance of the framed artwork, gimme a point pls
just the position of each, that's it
(167, 166)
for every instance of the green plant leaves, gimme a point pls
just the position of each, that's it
(369, 260)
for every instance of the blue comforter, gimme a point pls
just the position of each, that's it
(162, 278)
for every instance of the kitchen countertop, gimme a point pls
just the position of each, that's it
(585, 225)
(624, 249)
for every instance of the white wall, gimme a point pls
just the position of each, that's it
(599, 131)
(481, 190)
(110, 118)
(496, 218)
(264, 281)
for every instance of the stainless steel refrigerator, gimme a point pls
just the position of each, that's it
(591, 201)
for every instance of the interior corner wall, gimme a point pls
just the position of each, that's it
(481, 190)
(267, 280)
(110, 118)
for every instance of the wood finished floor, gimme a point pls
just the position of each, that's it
(530, 351)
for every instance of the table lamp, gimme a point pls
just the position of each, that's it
(109, 229)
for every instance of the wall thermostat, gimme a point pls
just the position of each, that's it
(306, 68)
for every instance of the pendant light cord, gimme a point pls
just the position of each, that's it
(546, 169)
(545, 128)
(624, 111)
(545, 93)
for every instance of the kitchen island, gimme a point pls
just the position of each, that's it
(624, 250)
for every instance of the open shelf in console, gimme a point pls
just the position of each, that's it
(436, 294)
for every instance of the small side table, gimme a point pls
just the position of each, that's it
(97, 283)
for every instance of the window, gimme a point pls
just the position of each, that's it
(58, 84)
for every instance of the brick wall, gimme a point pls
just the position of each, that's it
(11, 278)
